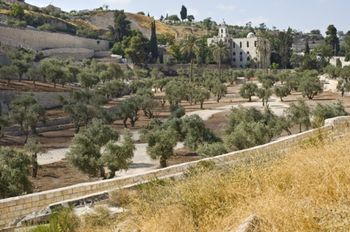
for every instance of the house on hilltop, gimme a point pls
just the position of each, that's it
(243, 52)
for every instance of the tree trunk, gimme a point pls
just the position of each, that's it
(300, 128)
(35, 166)
(102, 173)
(163, 162)
(201, 105)
(124, 122)
(112, 174)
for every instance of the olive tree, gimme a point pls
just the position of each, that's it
(248, 90)
(161, 145)
(9, 72)
(14, 172)
(200, 95)
(282, 91)
(129, 109)
(219, 90)
(310, 86)
(34, 148)
(26, 112)
(264, 95)
(93, 149)
(299, 114)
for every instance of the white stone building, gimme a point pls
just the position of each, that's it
(243, 51)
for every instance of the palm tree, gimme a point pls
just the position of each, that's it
(190, 48)
(220, 52)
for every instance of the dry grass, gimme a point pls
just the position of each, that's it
(308, 190)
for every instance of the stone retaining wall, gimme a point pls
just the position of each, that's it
(13, 209)
(41, 40)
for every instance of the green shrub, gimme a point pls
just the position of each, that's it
(62, 220)
(210, 150)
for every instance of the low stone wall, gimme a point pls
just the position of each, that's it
(14, 209)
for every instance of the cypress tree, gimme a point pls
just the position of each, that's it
(183, 13)
(307, 47)
(153, 43)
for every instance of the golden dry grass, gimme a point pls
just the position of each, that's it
(306, 190)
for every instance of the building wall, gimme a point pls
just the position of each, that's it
(40, 40)
(17, 207)
(244, 50)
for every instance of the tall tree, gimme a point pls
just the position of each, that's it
(138, 49)
(220, 53)
(332, 39)
(183, 13)
(121, 26)
(190, 48)
(307, 46)
(285, 41)
(264, 50)
(153, 43)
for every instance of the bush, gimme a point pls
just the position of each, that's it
(62, 220)
(14, 172)
(210, 150)
(47, 27)
(177, 111)
(323, 112)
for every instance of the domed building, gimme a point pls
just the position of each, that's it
(243, 52)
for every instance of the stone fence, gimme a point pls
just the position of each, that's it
(14, 209)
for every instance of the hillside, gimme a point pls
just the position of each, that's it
(307, 190)
(90, 24)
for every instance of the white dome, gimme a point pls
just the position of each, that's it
(251, 35)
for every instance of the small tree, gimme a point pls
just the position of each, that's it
(343, 86)
(14, 171)
(86, 150)
(8, 73)
(174, 92)
(299, 114)
(26, 112)
(248, 90)
(161, 145)
(310, 86)
(129, 109)
(88, 79)
(17, 11)
(219, 90)
(282, 91)
(33, 147)
(264, 95)
(200, 95)
(118, 157)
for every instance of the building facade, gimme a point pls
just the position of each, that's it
(243, 52)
